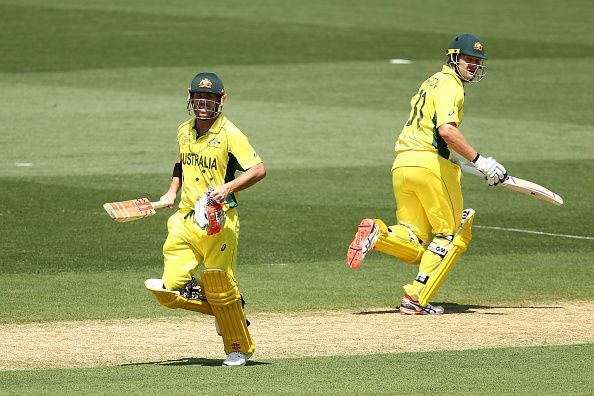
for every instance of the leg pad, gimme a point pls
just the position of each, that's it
(223, 295)
(400, 242)
(449, 254)
(173, 300)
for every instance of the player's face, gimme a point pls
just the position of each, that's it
(468, 66)
(205, 104)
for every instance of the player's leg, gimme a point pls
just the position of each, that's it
(441, 197)
(401, 240)
(410, 211)
(178, 288)
(438, 260)
(405, 239)
(222, 292)
(449, 255)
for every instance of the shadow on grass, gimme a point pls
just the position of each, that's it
(461, 308)
(190, 362)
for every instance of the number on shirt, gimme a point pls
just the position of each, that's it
(422, 95)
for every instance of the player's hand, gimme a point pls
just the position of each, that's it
(219, 193)
(494, 172)
(169, 197)
(209, 214)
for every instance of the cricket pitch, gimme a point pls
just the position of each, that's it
(324, 333)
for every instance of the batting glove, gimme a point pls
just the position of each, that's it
(494, 172)
(209, 215)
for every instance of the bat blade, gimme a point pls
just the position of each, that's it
(131, 210)
(530, 188)
(521, 186)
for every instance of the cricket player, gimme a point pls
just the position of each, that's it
(205, 229)
(433, 230)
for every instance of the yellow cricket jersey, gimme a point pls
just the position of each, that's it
(211, 159)
(439, 101)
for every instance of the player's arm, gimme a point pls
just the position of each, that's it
(456, 141)
(176, 182)
(246, 179)
(493, 170)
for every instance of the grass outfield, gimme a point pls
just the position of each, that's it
(92, 96)
(554, 370)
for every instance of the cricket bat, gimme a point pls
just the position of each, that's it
(131, 210)
(520, 185)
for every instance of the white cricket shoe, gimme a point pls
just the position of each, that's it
(235, 359)
(411, 307)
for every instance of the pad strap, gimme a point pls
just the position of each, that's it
(441, 251)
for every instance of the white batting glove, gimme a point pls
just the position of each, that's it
(200, 212)
(494, 172)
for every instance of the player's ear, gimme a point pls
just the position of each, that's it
(224, 97)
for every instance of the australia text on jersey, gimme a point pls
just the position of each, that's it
(198, 160)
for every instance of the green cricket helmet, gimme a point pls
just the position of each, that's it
(206, 83)
(471, 45)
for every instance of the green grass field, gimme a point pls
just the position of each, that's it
(92, 93)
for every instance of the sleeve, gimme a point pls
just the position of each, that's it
(182, 136)
(242, 150)
(448, 101)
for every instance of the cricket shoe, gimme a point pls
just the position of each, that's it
(235, 359)
(411, 307)
(193, 290)
(365, 239)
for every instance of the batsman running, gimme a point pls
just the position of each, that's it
(205, 229)
(433, 230)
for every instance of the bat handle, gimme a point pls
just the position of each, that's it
(471, 170)
(160, 204)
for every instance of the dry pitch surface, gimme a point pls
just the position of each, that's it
(168, 340)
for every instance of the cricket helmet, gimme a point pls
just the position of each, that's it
(206, 83)
(471, 45)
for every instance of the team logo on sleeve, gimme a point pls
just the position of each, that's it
(206, 83)
(478, 46)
